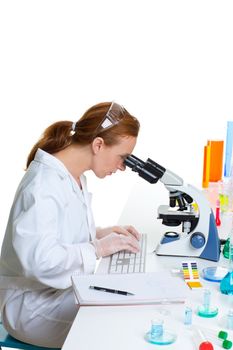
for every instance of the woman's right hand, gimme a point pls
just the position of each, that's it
(114, 242)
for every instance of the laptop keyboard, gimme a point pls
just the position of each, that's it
(127, 262)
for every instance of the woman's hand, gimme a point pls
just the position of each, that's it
(115, 242)
(124, 230)
(127, 231)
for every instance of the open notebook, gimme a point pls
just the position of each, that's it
(148, 288)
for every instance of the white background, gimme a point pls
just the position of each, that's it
(170, 63)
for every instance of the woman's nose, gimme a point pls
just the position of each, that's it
(122, 167)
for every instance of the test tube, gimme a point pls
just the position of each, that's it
(205, 310)
(188, 316)
(230, 319)
(217, 214)
(206, 301)
(220, 334)
(217, 337)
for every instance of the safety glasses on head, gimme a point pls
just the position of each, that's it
(113, 116)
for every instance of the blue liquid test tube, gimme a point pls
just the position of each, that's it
(206, 301)
(230, 319)
(188, 316)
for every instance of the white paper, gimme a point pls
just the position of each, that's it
(155, 287)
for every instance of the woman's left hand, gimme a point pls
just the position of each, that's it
(124, 230)
(127, 230)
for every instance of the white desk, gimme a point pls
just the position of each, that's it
(124, 327)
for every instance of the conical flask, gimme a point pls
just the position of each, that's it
(226, 285)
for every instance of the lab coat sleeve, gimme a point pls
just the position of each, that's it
(42, 255)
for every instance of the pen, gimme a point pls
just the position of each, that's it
(109, 290)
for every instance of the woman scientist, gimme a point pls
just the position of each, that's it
(51, 233)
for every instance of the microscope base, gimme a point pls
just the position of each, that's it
(183, 247)
(161, 251)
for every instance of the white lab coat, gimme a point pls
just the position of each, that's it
(47, 239)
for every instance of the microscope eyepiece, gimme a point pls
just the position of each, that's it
(131, 161)
(149, 170)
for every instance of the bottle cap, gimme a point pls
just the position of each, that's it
(206, 345)
(222, 335)
(227, 344)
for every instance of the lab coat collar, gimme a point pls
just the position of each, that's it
(53, 162)
(84, 196)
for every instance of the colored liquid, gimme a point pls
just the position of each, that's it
(217, 219)
(226, 249)
(226, 285)
(224, 202)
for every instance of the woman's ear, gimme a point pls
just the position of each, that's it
(97, 144)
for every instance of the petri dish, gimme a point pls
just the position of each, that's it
(214, 273)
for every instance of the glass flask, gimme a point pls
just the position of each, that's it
(226, 248)
(226, 285)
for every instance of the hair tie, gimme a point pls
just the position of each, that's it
(73, 126)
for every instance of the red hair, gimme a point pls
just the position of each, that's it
(59, 135)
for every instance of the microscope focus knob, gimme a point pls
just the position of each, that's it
(197, 240)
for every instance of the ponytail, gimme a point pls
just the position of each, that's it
(61, 134)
